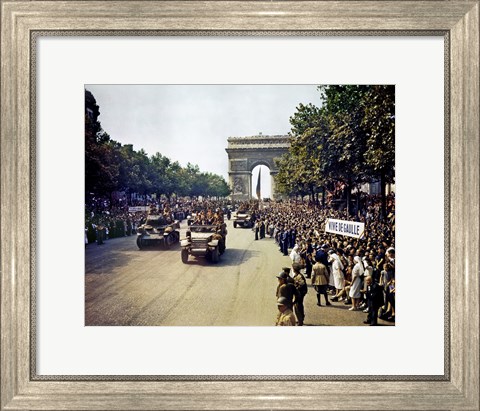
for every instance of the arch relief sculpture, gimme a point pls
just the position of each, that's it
(245, 153)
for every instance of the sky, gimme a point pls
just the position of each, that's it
(191, 123)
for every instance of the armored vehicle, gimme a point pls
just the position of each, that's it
(157, 231)
(243, 219)
(205, 241)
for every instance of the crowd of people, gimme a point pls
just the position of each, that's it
(357, 272)
(353, 271)
(106, 218)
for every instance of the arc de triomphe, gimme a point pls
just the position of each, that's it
(245, 153)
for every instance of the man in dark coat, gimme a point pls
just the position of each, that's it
(262, 229)
(307, 256)
(374, 294)
(285, 241)
(293, 237)
(301, 285)
(322, 256)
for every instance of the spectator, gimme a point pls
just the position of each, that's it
(320, 281)
(337, 272)
(357, 274)
(374, 295)
(285, 317)
(301, 285)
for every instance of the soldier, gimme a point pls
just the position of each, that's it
(301, 285)
(286, 289)
(287, 270)
(221, 241)
(285, 316)
(320, 281)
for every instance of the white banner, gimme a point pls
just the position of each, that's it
(346, 228)
(137, 209)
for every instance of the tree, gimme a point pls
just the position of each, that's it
(379, 125)
(345, 146)
(350, 139)
(101, 170)
(308, 133)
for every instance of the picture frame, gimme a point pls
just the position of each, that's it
(456, 21)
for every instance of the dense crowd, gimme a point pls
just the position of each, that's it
(353, 271)
(357, 272)
(106, 218)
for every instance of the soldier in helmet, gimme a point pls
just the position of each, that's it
(286, 288)
(285, 316)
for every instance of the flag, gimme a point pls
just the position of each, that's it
(258, 183)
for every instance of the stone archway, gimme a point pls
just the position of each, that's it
(245, 153)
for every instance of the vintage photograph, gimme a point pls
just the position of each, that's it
(239, 205)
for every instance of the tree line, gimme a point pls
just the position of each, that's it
(111, 166)
(349, 140)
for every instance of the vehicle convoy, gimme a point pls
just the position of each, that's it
(243, 219)
(157, 231)
(207, 241)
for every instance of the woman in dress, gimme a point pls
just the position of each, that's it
(295, 255)
(357, 273)
(338, 278)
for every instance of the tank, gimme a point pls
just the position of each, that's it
(157, 231)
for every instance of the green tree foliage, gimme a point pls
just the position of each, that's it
(111, 166)
(379, 125)
(101, 169)
(349, 139)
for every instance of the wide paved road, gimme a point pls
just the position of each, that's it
(128, 286)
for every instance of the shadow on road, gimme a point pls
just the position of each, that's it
(231, 257)
(115, 253)
(156, 248)
(105, 263)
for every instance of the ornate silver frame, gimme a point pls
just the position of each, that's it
(23, 22)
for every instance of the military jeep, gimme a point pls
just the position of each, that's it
(207, 241)
(243, 219)
(157, 231)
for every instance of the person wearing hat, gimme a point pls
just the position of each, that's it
(286, 288)
(301, 285)
(287, 271)
(285, 316)
(320, 281)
